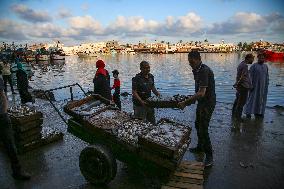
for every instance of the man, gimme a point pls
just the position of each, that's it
(6, 73)
(142, 86)
(206, 97)
(7, 137)
(258, 95)
(242, 85)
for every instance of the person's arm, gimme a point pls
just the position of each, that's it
(200, 94)
(155, 91)
(203, 84)
(135, 93)
(4, 99)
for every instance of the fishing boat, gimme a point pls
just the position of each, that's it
(274, 54)
(57, 55)
(86, 54)
(30, 56)
(42, 55)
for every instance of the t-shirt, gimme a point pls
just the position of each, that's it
(143, 86)
(243, 77)
(204, 77)
(1, 100)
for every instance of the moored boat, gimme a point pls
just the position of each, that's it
(86, 55)
(274, 54)
(58, 55)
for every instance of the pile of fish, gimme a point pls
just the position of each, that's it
(165, 98)
(130, 130)
(89, 108)
(21, 110)
(108, 119)
(167, 134)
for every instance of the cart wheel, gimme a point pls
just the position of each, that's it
(97, 164)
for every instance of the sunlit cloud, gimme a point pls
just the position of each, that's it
(243, 22)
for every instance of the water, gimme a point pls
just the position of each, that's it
(172, 74)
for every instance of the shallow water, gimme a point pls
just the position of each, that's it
(172, 74)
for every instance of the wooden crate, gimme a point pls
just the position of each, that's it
(188, 175)
(26, 127)
(69, 107)
(23, 120)
(162, 150)
(163, 103)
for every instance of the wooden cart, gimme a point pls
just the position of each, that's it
(98, 160)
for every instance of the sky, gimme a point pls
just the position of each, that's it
(130, 21)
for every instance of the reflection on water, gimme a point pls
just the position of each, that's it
(172, 73)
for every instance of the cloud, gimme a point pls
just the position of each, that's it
(29, 14)
(242, 25)
(133, 26)
(11, 30)
(64, 13)
(243, 22)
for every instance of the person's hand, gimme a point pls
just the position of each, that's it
(181, 105)
(143, 103)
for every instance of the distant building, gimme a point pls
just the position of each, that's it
(112, 44)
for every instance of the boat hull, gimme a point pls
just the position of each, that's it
(57, 57)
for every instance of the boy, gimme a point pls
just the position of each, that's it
(116, 87)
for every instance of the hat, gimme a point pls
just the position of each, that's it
(115, 72)
(100, 64)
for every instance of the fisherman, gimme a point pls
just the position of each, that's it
(102, 81)
(142, 86)
(258, 94)
(23, 84)
(7, 136)
(242, 85)
(6, 73)
(206, 97)
(116, 87)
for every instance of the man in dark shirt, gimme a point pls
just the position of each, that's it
(243, 85)
(7, 136)
(142, 86)
(206, 97)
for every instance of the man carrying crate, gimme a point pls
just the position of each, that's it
(142, 86)
(206, 97)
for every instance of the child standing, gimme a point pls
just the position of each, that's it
(116, 87)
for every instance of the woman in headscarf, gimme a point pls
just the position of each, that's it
(102, 81)
(23, 84)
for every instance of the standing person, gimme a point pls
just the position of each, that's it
(6, 73)
(206, 97)
(116, 87)
(142, 86)
(242, 85)
(7, 136)
(258, 95)
(23, 84)
(102, 81)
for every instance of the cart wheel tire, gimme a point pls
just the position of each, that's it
(97, 164)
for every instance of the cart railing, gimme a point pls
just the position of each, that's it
(71, 94)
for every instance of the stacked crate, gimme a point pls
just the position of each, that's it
(27, 127)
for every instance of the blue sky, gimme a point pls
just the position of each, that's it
(75, 22)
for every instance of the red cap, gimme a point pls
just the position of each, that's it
(100, 64)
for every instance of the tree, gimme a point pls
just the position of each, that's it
(240, 45)
(245, 46)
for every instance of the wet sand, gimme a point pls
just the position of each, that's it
(251, 156)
